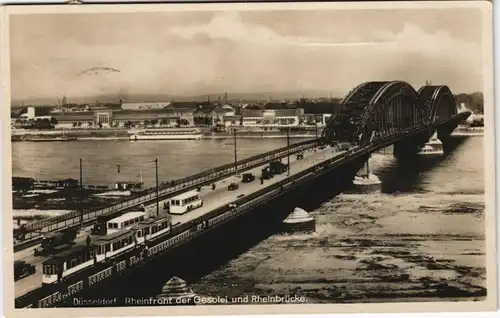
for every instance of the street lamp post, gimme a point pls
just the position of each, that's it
(288, 149)
(157, 190)
(80, 194)
(235, 153)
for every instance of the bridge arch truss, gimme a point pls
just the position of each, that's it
(439, 101)
(376, 110)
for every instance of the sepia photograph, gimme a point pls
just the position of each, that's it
(248, 158)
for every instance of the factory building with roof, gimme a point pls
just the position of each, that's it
(112, 118)
(271, 117)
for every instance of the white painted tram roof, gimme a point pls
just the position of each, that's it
(127, 216)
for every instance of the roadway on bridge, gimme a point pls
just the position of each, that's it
(213, 199)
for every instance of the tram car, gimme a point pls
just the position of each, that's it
(152, 228)
(104, 248)
(62, 265)
(100, 227)
(55, 242)
(109, 246)
(125, 221)
(183, 203)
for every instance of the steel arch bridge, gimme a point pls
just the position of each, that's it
(379, 110)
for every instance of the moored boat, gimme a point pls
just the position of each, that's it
(44, 138)
(168, 134)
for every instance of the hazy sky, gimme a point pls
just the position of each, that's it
(213, 52)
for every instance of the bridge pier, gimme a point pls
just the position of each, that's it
(365, 181)
(409, 147)
(176, 292)
(444, 131)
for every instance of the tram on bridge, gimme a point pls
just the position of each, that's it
(68, 264)
(125, 221)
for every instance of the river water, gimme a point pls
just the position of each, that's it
(420, 238)
(177, 159)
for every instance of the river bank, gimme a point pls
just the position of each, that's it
(124, 134)
(39, 204)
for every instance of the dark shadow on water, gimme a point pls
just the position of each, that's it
(404, 175)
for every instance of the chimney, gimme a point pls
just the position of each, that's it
(225, 98)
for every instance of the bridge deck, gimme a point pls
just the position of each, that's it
(213, 199)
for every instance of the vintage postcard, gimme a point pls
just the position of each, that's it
(195, 159)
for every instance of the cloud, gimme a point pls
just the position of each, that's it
(229, 26)
(235, 54)
(413, 38)
(420, 55)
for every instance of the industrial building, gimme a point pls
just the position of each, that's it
(271, 117)
(110, 118)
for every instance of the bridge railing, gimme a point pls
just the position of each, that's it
(73, 218)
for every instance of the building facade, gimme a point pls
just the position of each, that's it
(126, 118)
(271, 117)
(315, 119)
(75, 120)
(219, 116)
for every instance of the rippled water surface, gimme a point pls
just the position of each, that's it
(422, 238)
(177, 159)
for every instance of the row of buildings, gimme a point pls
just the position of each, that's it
(176, 115)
